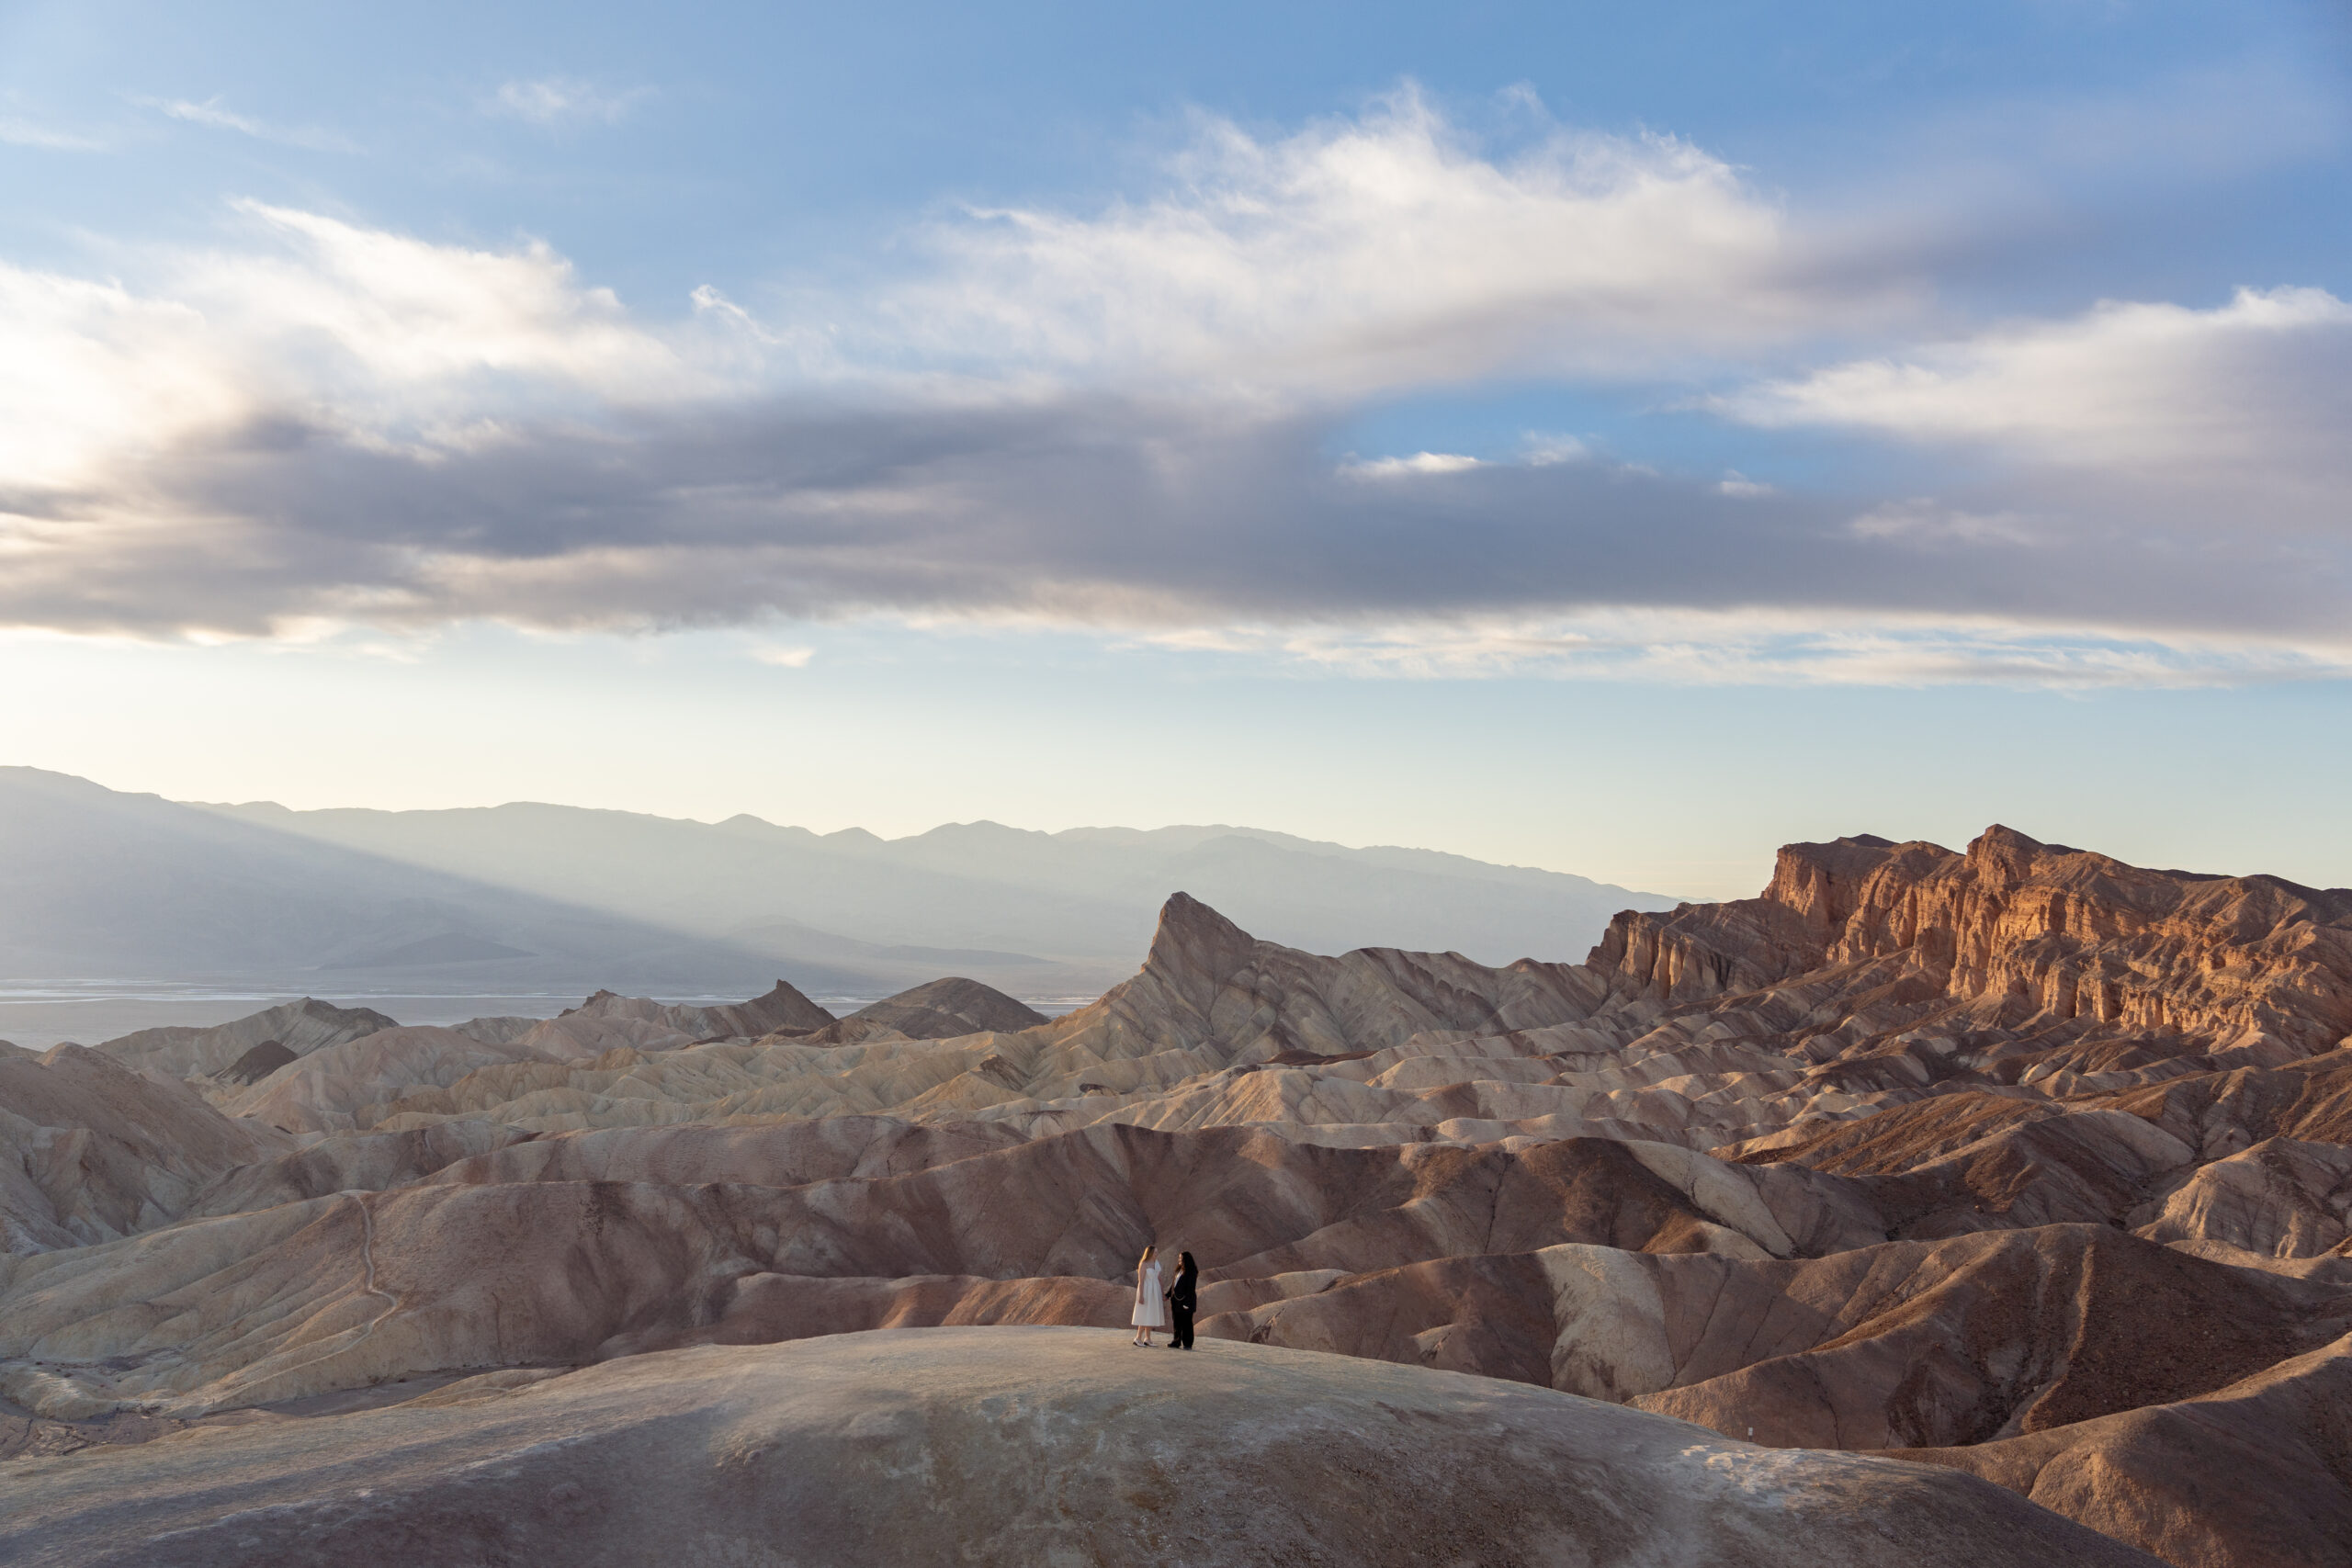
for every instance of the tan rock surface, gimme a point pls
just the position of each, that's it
(344, 1162)
(340, 1290)
(2247, 1476)
(1010, 1445)
(1972, 1340)
(780, 1153)
(2281, 1198)
(301, 1027)
(90, 1149)
(939, 1009)
(335, 1088)
(2014, 936)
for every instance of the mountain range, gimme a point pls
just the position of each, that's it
(93, 882)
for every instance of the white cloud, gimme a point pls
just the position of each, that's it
(2256, 392)
(17, 132)
(91, 373)
(379, 337)
(1376, 253)
(1922, 520)
(560, 100)
(1419, 464)
(1542, 450)
(1764, 647)
(209, 113)
(785, 658)
(212, 115)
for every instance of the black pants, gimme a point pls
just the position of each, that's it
(1179, 1330)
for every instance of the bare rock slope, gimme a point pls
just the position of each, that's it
(296, 1028)
(1010, 1446)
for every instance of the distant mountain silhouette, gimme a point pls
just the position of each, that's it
(1029, 912)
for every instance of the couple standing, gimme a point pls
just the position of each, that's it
(1180, 1298)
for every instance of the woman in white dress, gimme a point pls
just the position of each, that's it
(1148, 1314)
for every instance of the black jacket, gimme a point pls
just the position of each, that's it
(1180, 1294)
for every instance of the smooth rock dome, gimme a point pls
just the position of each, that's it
(1009, 1446)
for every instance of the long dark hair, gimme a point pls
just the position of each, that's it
(1185, 1264)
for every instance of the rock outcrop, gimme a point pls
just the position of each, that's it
(335, 1089)
(298, 1027)
(940, 1010)
(255, 1064)
(91, 1150)
(607, 1022)
(2074, 957)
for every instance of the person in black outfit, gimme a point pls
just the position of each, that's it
(1180, 1300)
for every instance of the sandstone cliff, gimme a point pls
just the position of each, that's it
(2014, 936)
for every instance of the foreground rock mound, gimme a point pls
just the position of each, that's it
(1014, 1447)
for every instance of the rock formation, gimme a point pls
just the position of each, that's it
(940, 1010)
(297, 1028)
(90, 1149)
(2020, 1162)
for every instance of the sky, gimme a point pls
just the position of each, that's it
(1615, 439)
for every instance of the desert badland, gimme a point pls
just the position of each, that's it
(1988, 1206)
(1255, 784)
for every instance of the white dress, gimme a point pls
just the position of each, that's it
(1148, 1313)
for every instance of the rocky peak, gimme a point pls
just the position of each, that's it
(785, 1007)
(1195, 949)
(944, 1009)
(1823, 883)
(2004, 855)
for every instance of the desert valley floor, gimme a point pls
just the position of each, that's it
(1984, 1207)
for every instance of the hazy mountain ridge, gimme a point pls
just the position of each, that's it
(96, 882)
(1079, 898)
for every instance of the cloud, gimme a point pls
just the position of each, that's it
(1075, 511)
(341, 332)
(1542, 450)
(206, 113)
(212, 115)
(1419, 463)
(561, 100)
(1123, 422)
(17, 132)
(2249, 399)
(1363, 254)
(792, 658)
(1761, 647)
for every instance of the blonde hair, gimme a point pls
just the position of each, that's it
(1148, 1251)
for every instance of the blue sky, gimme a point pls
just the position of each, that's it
(1599, 437)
